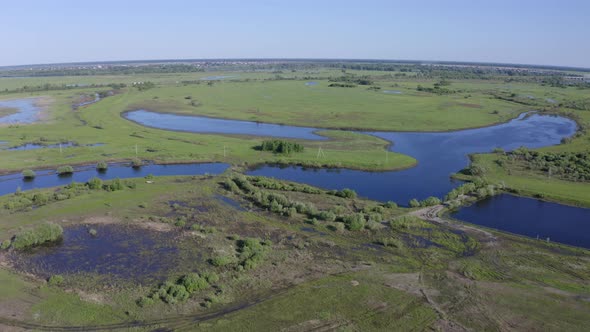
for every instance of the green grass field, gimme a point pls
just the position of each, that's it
(292, 102)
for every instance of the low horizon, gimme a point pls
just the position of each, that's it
(409, 61)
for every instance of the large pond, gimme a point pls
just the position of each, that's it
(28, 112)
(116, 251)
(439, 155)
(48, 178)
(531, 217)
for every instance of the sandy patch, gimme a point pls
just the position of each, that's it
(407, 282)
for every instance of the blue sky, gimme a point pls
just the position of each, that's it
(515, 31)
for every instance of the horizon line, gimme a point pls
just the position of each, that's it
(408, 61)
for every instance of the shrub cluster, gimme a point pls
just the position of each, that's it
(64, 170)
(478, 188)
(571, 166)
(280, 204)
(252, 252)
(43, 233)
(29, 174)
(430, 201)
(281, 146)
(179, 291)
(102, 166)
(26, 200)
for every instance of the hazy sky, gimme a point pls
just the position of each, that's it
(511, 31)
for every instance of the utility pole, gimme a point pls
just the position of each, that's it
(224, 154)
(386, 157)
(60, 150)
(136, 153)
(320, 153)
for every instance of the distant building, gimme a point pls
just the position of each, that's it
(576, 79)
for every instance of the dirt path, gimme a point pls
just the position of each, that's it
(431, 213)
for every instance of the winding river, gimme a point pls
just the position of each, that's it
(438, 154)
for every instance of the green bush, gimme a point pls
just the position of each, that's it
(346, 193)
(222, 260)
(193, 283)
(178, 293)
(102, 166)
(211, 277)
(327, 216)
(56, 280)
(115, 185)
(136, 163)
(29, 174)
(94, 183)
(430, 201)
(281, 146)
(33, 237)
(145, 301)
(5, 244)
(64, 170)
(252, 252)
(414, 203)
(355, 222)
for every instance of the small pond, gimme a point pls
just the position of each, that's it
(200, 124)
(532, 218)
(28, 111)
(121, 252)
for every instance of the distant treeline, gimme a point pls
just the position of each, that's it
(111, 70)
(51, 87)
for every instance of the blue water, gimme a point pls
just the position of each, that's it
(200, 124)
(28, 112)
(439, 155)
(33, 146)
(217, 78)
(117, 251)
(531, 217)
(48, 178)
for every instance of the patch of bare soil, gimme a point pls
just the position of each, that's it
(407, 282)
(101, 220)
(156, 226)
(317, 325)
(91, 297)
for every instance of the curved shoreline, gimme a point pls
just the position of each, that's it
(353, 129)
